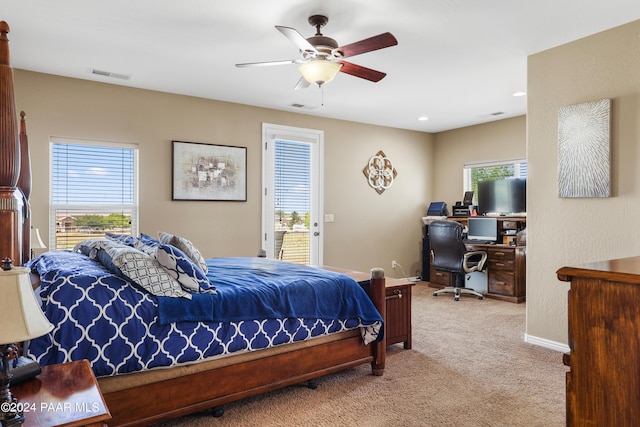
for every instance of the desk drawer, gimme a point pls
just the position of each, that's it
(500, 255)
(501, 282)
(439, 277)
(509, 225)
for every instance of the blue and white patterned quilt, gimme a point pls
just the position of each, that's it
(120, 328)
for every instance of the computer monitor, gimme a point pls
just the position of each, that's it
(482, 228)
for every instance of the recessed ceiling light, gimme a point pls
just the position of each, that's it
(423, 118)
(520, 94)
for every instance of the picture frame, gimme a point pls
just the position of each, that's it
(208, 172)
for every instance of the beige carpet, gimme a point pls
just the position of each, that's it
(469, 366)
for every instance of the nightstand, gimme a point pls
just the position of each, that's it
(398, 325)
(398, 307)
(66, 394)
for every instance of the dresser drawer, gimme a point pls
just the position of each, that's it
(501, 282)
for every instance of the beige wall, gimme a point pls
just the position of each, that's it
(369, 230)
(564, 231)
(495, 141)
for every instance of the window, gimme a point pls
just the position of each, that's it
(93, 191)
(292, 200)
(489, 171)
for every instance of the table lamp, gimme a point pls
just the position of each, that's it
(22, 319)
(36, 241)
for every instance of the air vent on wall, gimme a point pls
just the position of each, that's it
(110, 74)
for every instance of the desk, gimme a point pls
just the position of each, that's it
(66, 394)
(506, 272)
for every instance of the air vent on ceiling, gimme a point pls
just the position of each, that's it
(110, 74)
(497, 113)
(302, 106)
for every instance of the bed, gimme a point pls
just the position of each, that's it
(257, 324)
(181, 378)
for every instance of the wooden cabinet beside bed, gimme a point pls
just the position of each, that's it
(398, 306)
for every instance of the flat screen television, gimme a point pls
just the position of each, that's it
(502, 197)
(482, 228)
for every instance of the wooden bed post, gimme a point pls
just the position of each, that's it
(11, 204)
(24, 184)
(378, 296)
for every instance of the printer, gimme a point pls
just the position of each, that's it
(436, 211)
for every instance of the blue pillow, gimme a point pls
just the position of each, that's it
(146, 244)
(185, 246)
(180, 267)
(122, 238)
(149, 240)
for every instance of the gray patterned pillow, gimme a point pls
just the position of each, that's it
(185, 246)
(146, 272)
(134, 264)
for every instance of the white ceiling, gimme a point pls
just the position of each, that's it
(457, 61)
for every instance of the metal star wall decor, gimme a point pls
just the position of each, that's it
(380, 172)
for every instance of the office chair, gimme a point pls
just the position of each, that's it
(449, 253)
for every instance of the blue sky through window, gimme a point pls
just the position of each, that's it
(91, 174)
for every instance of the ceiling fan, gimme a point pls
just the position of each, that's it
(322, 58)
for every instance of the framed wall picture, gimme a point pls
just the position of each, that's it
(209, 172)
(584, 149)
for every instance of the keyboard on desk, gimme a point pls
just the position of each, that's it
(478, 242)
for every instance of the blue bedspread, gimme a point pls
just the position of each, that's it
(263, 288)
(116, 325)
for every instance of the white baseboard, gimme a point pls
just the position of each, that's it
(542, 342)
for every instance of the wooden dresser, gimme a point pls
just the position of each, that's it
(603, 382)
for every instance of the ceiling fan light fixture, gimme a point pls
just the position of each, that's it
(319, 71)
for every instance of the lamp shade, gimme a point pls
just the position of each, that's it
(319, 71)
(36, 240)
(21, 317)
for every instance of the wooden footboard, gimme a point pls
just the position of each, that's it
(158, 401)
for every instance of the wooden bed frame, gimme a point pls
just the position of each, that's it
(144, 404)
(151, 402)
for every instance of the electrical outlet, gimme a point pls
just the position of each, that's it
(394, 264)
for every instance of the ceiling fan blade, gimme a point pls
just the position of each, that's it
(297, 38)
(362, 72)
(302, 84)
(268, 63)
(367, 45)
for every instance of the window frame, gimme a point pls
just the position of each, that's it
(520, 171)
(92, 207)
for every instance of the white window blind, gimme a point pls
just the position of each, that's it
(93, 191)
(292, 201)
